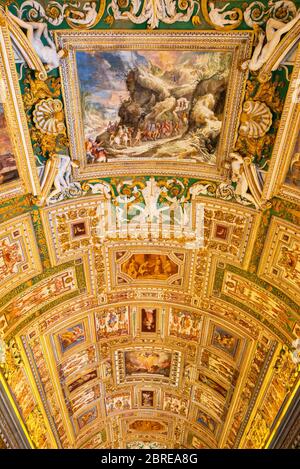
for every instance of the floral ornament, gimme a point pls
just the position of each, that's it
(32, 10)
(153, 11)
(124, 190)
(225, 192)
(48, 116)
(79, 15)
(37, 89)
(258, 14)
(256, 119)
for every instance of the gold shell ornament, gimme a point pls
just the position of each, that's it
(48, 116)
(256, 119)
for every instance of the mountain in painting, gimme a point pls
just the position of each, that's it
(153, 104)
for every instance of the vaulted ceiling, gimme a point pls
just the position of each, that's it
(149, 236)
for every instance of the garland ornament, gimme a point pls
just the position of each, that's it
(154, 11)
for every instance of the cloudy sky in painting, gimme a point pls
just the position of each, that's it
(102, 78)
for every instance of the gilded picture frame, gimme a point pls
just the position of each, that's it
(238, 43)
(77, 335)
(11, 100)
(286, 141)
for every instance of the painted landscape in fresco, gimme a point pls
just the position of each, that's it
(152, 104)
(8, 167)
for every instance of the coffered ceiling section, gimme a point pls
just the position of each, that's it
(149, 222)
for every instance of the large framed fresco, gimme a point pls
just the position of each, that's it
(17, 163)
(147, 364)
(152, 98)
(143, 264)
(71, 338)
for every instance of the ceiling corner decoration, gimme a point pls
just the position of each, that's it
(149, 222)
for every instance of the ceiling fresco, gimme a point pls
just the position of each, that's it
(149, 221)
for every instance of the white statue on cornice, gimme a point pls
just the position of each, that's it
(220, 18)
(263, 52)
(62, 179)
(238, 176)
(296, 352)
(35, 32)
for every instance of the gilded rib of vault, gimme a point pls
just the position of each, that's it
(142, 339)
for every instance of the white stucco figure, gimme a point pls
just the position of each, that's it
(199, 189)
(219, 17)
(101, 188)
(263, 52)
(35, 32)
(238, 175)
(85, 17)
(296, 353)
(62, 179)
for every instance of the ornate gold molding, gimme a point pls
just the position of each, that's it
(285, 141)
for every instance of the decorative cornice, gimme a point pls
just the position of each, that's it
(288, 433)
(11, 431)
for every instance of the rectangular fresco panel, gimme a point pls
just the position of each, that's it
(152, 104)
(143, 362)
(77, 362)
(194, 442)
(118, 402)
(112, 322)
(81, 400)
(8, 166)
(85, 378)
(184, 325)
(205, 420)
(175, 405)
(40, 294)
(71, 336)
(147, 398)
(148, 320)
(224, 341)
(149, 266)
(87, 417)
(212, 384)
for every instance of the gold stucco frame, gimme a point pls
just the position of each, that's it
(285, 142)
(28, 181)
(237, 42)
